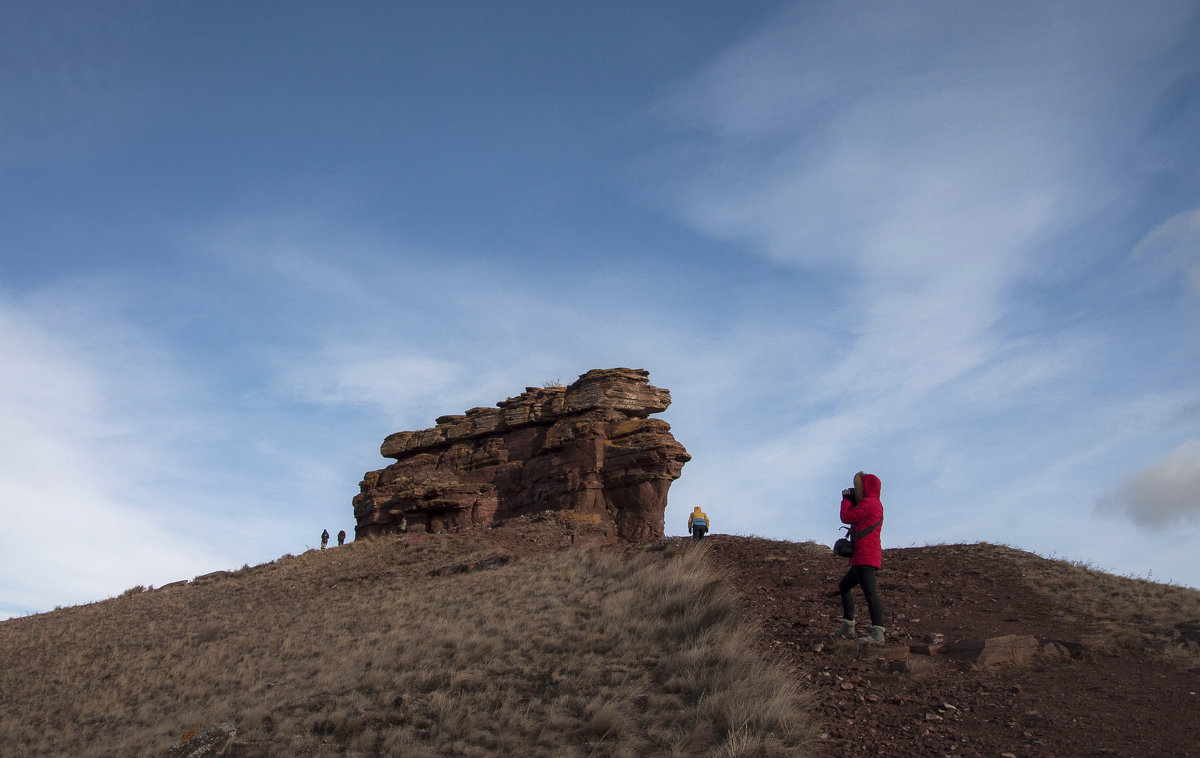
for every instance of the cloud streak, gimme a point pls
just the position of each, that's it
(924, 163)
(1173, 247)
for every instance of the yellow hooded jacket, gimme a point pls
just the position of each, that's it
(698, 514)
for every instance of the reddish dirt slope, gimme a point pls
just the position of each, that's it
(1129, 702)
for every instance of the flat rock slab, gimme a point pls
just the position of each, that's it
(1009, 649)
(1055, 652)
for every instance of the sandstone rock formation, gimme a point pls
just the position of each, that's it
(588, 448)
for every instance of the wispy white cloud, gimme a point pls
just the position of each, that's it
(343, 374)
(414, 333)
(926, 154)
(72, 460)
(918, 162)
(1173, 248)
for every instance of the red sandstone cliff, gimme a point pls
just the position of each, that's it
(589, 448)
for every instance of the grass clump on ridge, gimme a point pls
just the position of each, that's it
(391, 649)
(1127, 611)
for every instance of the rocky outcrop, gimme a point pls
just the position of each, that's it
(589, 448)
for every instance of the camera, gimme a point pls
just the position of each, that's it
(849, 495)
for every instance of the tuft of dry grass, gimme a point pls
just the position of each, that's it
(398, 647)
(917, 667)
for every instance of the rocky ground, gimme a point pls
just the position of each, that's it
(1096, 695)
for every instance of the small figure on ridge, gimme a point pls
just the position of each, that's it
(324, 538)
(697, 524)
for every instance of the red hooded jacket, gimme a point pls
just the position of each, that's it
(868, 551)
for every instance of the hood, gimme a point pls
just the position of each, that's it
(866, 485)
(696, 509)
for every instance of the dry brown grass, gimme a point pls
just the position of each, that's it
(389, 648)
(1116, 613)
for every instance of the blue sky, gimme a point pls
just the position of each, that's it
(953, 244)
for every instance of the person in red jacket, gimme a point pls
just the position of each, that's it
(863, 511)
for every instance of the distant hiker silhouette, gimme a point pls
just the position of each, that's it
(698, 524)
(404, 524)
(863, 511)
(324, 538)
(342, 537)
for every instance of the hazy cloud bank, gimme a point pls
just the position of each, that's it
(1162, 494)
(84, 405)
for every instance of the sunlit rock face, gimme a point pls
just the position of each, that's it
(590, 448)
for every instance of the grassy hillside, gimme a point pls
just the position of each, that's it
(1130, 612)
(461, 646)
(440, 647)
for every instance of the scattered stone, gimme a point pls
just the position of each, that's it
(588, 449)
(1074, 649)
(915, 666)
(250, 749)
(465, 568)
(209, 742)
(1054, 652)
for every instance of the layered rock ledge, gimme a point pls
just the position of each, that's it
(589, 448)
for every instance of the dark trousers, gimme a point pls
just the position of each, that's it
(698, 531)
(863, 576)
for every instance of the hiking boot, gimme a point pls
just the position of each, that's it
(847, 629)
(874, 637)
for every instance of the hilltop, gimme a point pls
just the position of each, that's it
(418, 645)
(1111, 668)
(506, 642)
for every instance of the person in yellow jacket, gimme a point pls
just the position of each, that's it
(698, 524)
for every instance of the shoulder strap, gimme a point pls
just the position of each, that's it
(868, 530)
